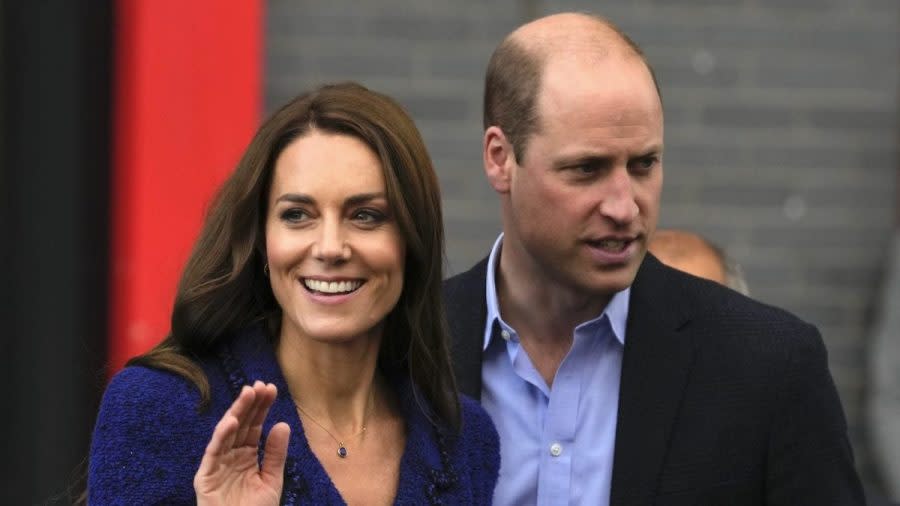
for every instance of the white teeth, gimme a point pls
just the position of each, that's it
(612, 244)
(317, 285)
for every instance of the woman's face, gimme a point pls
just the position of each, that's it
(334, 250)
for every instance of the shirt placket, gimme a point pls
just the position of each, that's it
(558, 437)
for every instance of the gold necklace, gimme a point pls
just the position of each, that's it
(342, 449)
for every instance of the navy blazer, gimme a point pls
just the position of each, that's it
(723, 400)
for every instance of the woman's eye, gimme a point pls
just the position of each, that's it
(294, 215)
(368, 216)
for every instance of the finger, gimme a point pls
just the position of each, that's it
(242, 404)
(276, 454)
(220, 442)
(266, 395)
(247, 413)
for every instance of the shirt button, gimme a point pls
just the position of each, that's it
(505, 335)
(556, 449)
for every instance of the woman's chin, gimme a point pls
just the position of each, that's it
(335, 332)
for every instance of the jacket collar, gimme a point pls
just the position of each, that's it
(658, 356)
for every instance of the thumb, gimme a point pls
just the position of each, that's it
(276, 454)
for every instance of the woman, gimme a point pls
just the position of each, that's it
(312, 299)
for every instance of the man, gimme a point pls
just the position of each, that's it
(692, 253)
(613, 379)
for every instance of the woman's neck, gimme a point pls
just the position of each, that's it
(334, 383)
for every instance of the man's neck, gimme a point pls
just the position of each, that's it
(533, 302)
(543, 313)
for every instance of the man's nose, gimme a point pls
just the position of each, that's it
(619, 203)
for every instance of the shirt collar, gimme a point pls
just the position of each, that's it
(616, 311)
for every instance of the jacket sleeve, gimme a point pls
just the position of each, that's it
(148, 440)
(810, 461)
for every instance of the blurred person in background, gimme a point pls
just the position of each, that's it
(692, 253)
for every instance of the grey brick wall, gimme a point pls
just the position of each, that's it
(781, 130)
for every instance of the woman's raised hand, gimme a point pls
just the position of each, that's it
(230, 472)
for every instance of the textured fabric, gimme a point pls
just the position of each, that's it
(723, 400)
(540, 428)
(149, 438)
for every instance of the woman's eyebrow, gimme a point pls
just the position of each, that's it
(296, 198)
(362, 198)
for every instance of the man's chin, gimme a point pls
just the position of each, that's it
(609, 282)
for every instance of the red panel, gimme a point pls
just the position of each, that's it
(187, 101)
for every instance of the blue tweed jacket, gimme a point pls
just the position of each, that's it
(150, 436)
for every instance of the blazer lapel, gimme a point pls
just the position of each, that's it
(466, 306)
(655, 370)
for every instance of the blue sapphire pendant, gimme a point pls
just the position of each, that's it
(342, 451)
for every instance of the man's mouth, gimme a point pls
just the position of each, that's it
(331, 287)
(612, 245)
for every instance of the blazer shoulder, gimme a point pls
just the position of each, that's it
(717, 316)
(143, 407)
(737, 307)
(142, 388)
(148, 438)
(708, 299)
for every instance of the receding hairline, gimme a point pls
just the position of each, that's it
(534, 44)
(571, 33)
(516, 72)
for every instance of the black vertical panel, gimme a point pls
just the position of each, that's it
(55, 169)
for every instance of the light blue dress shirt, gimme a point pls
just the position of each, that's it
(556, 444)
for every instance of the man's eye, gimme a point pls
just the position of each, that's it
(294, 215)
(645, 164)
(589, 168)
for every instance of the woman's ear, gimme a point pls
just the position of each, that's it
(499, 159)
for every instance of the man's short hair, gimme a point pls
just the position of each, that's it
(510, 93)
(512, 82)
(734, 276)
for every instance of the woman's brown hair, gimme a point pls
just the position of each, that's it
(223, 288)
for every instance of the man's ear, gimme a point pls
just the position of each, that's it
(499, 159)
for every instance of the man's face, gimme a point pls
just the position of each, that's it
(583, 202)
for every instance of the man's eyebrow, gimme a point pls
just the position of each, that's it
(654, 149)
(584, 159)
(601, 158)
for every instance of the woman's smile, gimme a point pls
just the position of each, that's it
(334, 251)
